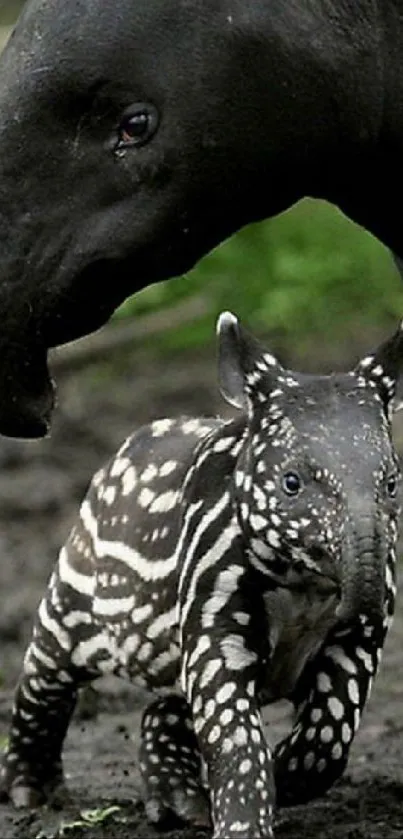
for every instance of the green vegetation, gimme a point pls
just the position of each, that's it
(57, 828)
(309, 274)
(9, 10)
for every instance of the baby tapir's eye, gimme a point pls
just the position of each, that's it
(292, 483)
(391, 486)
(139, 123)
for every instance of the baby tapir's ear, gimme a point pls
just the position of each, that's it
(384, 367)
(243, 363)
(230, 376)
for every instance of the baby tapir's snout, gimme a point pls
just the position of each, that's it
(363, 564)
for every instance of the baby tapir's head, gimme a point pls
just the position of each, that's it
(318, 479)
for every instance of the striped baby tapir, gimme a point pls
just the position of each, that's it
(227, 564)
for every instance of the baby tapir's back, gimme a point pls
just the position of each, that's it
(118, 567)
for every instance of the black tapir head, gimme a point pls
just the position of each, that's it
(137, 134)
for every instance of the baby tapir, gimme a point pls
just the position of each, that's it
(232, 563)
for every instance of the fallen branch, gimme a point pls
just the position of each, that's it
(101, 344)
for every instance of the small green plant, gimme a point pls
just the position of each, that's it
(88, 819)
(98, 816)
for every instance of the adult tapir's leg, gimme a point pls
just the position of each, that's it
(330, 697)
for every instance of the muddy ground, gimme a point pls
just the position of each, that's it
(41, 485)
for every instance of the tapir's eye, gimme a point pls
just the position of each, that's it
(292, 483)
(138, 124)
(391, 486)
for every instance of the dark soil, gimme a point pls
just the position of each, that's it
(41, 485)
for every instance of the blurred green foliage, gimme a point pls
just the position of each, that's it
(310, 274)
(9, 10)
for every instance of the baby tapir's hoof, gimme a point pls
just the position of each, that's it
(171, 799)
(30, 788)
(170, 765)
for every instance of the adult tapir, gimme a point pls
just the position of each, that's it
(137, 134)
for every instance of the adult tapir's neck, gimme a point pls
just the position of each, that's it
(331, 99)
(376, 202)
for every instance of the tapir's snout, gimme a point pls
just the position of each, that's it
(27, 395)
(48, 303)
(31, 326)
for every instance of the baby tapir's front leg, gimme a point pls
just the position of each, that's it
(170, 764)
(329, 700)
(220, 660)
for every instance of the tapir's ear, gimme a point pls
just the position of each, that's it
(243, 363)
(230, 375)
(384, 367)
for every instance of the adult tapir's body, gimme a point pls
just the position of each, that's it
(137, 134)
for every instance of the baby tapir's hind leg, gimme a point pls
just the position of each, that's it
(31, 771)
(170, 764)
